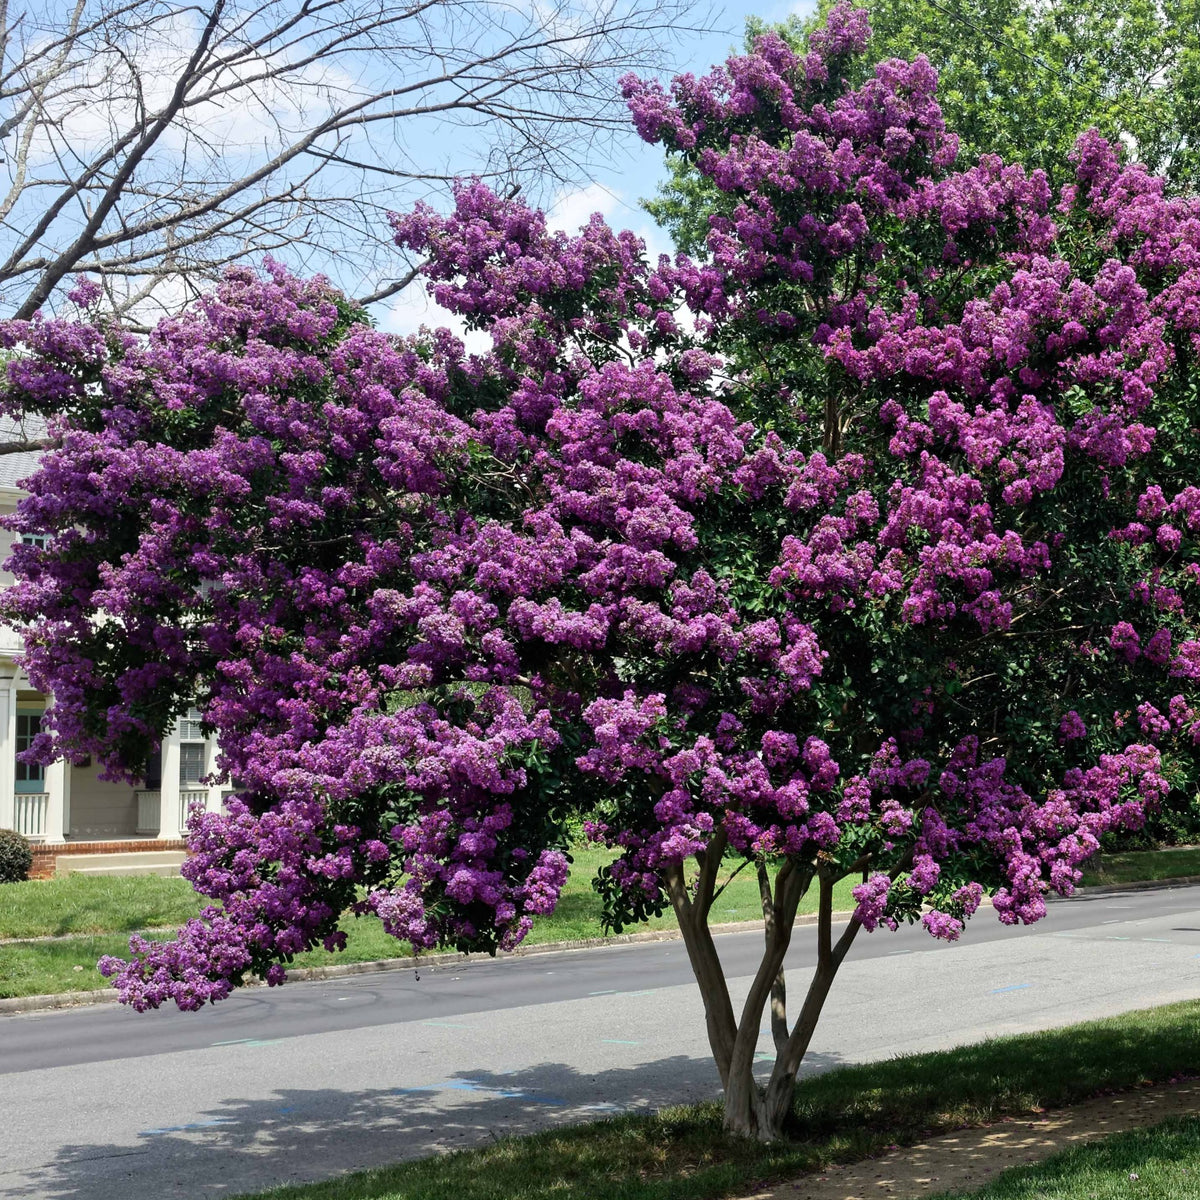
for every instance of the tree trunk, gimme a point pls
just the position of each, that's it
(752, 1110)
(748, 1111)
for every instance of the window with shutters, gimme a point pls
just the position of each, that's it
(30, 777)
(189, 727)
(192, 750)
(191, 764)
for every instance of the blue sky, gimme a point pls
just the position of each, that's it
(634, 171)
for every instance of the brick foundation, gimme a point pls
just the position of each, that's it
(45, 857)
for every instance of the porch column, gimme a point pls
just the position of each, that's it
(168, 812)
(58, 790)
(8, 735)
(216, 790)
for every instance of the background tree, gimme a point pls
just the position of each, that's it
(151, 142)
(867, 547)
(1024, 79)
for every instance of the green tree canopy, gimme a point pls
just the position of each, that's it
(1023, 80)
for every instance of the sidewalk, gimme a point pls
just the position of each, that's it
(970, 1159)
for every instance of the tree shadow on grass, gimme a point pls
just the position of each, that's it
(301, 1135)
(984, 1081)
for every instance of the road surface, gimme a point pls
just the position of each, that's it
(306, 1081)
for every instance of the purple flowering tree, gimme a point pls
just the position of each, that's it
(863, 546)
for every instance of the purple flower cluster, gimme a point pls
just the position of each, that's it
(623, 565)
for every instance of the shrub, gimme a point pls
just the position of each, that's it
(15, 857)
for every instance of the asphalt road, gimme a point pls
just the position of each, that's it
(308, 1080)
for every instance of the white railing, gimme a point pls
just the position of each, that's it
(149, 805)
(30, 811)
(187, 801)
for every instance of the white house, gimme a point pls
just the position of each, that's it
(71, 807)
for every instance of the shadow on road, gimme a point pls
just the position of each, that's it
(300, 1135)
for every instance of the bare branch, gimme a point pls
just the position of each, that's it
(384, 291)
(29, 444)
(156, 140)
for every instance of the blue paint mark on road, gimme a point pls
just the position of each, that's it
(618, 1042)
(470, 1085)
(185, 1128)
(605, 992)
(1012, 987)
(250, 1042)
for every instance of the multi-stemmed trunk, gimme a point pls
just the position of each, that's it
(751, 1109)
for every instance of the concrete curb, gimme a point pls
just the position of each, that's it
(28, 1004)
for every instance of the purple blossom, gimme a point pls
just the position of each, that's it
(719, 552)
(1071, 727)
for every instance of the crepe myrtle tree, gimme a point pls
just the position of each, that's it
(864, 547)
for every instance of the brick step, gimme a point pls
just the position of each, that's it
(139, 862)
(46, 855)
(167, 870)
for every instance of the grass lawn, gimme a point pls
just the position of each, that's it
(1141, 865)
(841, 1116)
(1159, 1163)
(110, 909)
(51, 968)
(107, 910)
(93, 904)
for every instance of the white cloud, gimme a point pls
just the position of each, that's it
(572, 210)
(100, 98)
(414, 308)
(569, 212)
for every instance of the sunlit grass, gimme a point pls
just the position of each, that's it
(1175, 862)
(108, 909)
(1159, 1163)
(94, 904)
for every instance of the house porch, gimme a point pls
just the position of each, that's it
(67, 807)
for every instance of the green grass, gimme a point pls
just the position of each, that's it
(52, 968)
(1159, 1163)
(842, 1116)
(1143, 865)
(102, 907)
(578, 911)
(94, 904)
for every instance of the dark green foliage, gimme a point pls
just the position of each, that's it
(16, 858)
